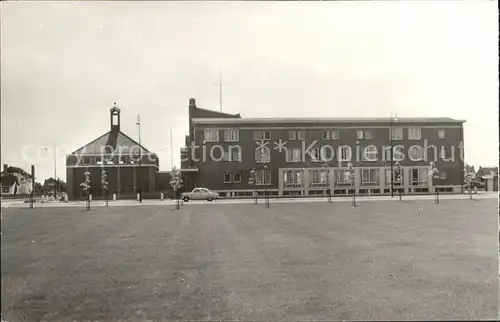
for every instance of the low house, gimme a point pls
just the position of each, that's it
(15, 181)
(489, 176)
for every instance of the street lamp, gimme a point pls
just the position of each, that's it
(55, 169)
(139, 184)
(327, 186)
(350, 176)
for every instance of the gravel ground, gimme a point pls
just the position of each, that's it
(299, 261)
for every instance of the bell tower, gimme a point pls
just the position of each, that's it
(114, 118)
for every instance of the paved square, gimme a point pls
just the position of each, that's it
(383, 260)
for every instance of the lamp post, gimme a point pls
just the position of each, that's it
(266, 196)
(176, 184)
(138, 123)
(327, 186)
(350, 176)
(55, 168)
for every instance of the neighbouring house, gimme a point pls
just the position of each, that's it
(488, 176)
(49, 185)
(15, 181)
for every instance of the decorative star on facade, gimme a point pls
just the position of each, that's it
(261, 145)
(280, 145)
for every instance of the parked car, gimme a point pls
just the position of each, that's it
(200, 194)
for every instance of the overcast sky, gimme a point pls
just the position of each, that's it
(64, 64)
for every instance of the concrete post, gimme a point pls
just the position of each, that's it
(114, 197)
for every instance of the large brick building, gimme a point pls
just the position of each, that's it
(222, 148)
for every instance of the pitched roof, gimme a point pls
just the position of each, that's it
(486, 171)
(111, 142)
(16, 170)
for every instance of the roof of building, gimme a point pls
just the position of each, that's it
(16, 170)
(487, 171)
(7, 180)
(112, 142)
(358, 120)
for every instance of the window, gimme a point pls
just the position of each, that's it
(318, 177)
(369, 153)
(263, 177)
(414, 133)
(263, 155)
(227, 178)
(388, 177)
(231, 135)
(359, 134)
(397, 133)
(293, 178)
(370, 177)
(419, 176)
(293, 155)
(326, 135)
(340, 177)
(315, 155)
(415, 153)
(211, 135)
(441, 133)
(123, 160)
(345, 153)
(262, 135)
(301, 135)
(237, 177)
(292, 135)
(109, 160)
(335, 135)
(98, 160)
(236, 156)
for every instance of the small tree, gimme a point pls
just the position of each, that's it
(469, 180)
(398, 178)
(434, 174)
(176, 184)
(252, 180)
(86, 188)
(104, 184)
(350, 178)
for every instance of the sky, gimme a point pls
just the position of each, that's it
(64, 64)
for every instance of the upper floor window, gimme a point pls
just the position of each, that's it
(414, 133)
(369, 153)
(292, 135)
(397, 133)
(293, 155)
(301, 135)
(296, 135)
(263, 155)
(211, 135)
(416, 153)
(441, 133)
(316, 155)
(231, 135)
(359, 134)
(368, 134)
(364, 134)
(345, 153)
(262, 135)
(335, 135)
(227, 177)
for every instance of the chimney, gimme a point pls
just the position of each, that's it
(192, 102)
(5, 166)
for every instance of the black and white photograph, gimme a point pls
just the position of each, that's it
(249, 160)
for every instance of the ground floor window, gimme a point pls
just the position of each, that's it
(341, 178)
(370, 177)
(318, 177)
(263, 177)
(293, 178)
(419, 176)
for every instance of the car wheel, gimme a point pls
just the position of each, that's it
(186, 199)
(210, 199)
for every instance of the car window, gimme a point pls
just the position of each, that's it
(196, 190)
